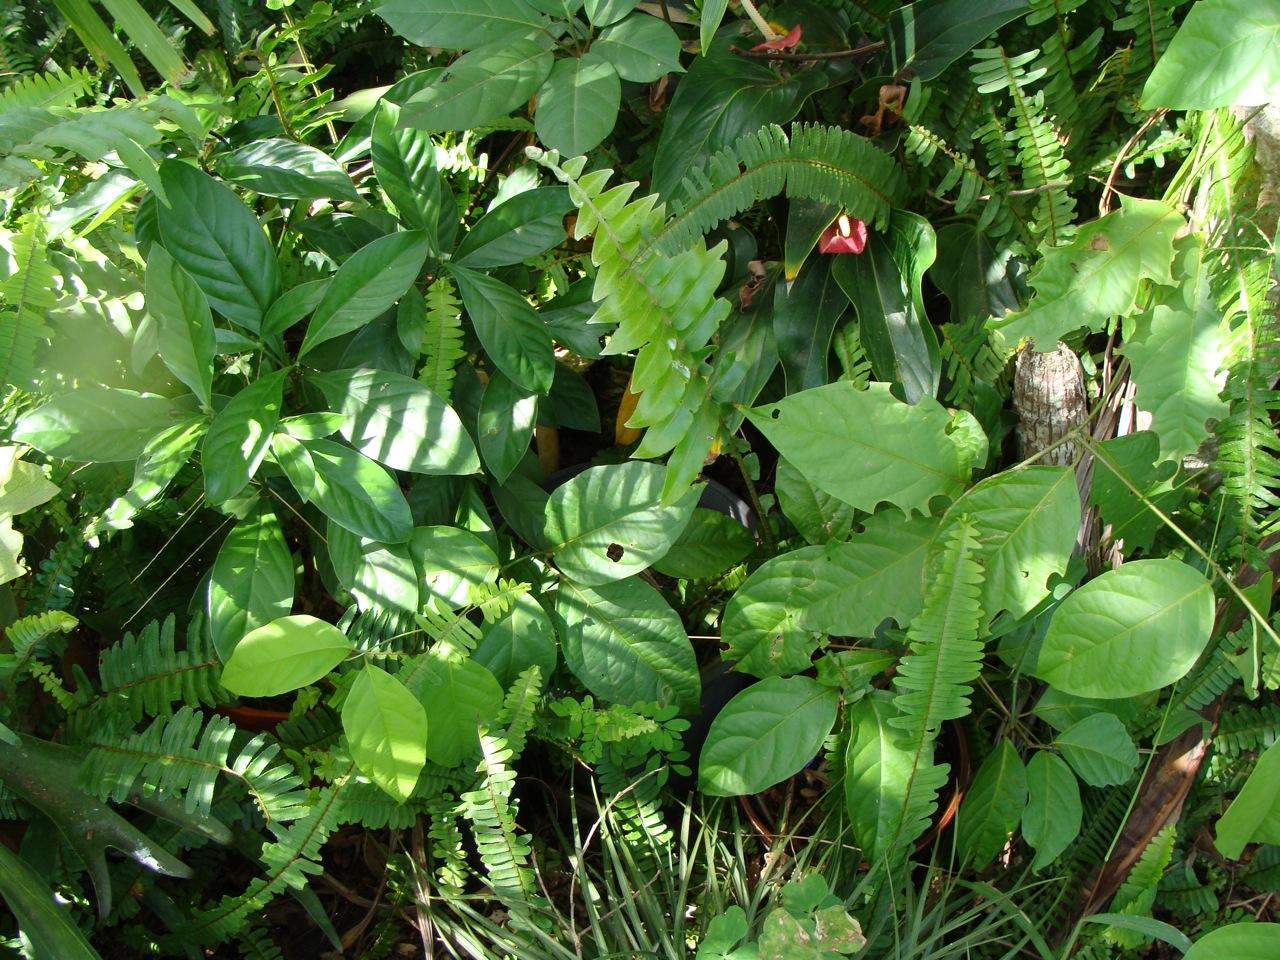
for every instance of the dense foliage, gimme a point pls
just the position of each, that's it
(597, 478)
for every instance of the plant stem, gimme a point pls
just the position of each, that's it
(787, 55)
(754, 496)
(761, 23)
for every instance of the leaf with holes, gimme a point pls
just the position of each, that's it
(763, 627)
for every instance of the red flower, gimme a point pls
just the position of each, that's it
(845, 235)
(782, 43)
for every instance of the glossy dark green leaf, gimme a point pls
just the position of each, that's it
(641, 48)
(46, 922)
(806, 219)
(239, 437)
(184, 324)
(804, 318)
(578, 104)
(505, 425)
(219, 241)
(284, 655)
(992, 806)
(480, 86)
(292, 305)
(252, 580)
(522, 638)
(293, 458)
(452, 562)
(387, 731)
(927, 36)
(99, 424)
(284, 168)
(459, 23)
(404, 161)
(1053, 814)
(571, 402)
(604, 12)
(358, 494)
(372, 280)
(976, 275)
(517, 229)
(710, 544)
(509, 329)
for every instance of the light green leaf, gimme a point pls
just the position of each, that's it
(710, 544)
(1148, 927)
(369, 282)
(219, 241)
(521, 639)
(480, 86)
(459, 23)
(992, 806)
(184, 324)
(284, 655)
(578, 104)
(1099, 749)
(239, 437)
(397, 421)
(380, 576)
(252, 580)
(1238, 941)
(98, 424)
(510, 330)
(816, 515)
(1053, 814)
(1254, 815)
(1096, 276)
(763, 628)
(277, 167)
(601, 13)
(521, 227)
(641, 48)
(164, 455)
(626, 644)
(292, 457)
(386, 730)
(709, 19)
(459, 696)
(357, 494)
(608, 522)
(451, 562)
(766, 733)
(865, 446)
(505, 425)
(1223, 55)
(1133, 629)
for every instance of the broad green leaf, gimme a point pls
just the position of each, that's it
(252, 580)
(865, 446)
(164, 455)
(1062, 710)
(399, 422)
(184, 324)
(98, 424)
(1095, 277)
(601, 13)
(505, 425)
(1099, 749)
(609, 522)
(459, 696)
(805, 314)
(284, 655)
(480, 86)
(766, 733)
(626, 644)
(1223, 55)
(46, 923)
(292, 305)
(1148, 927)
(524, 226)
(763, 628)
(239, 437)
(641, 48)
(293, 458)
(878, 574)
(884, 285)
(1254, 815)
(380, 576)
(710, 544)
(578, 104)
(928, 36)
(510, 330)
(387, 731)
(1053, 814)
(277, 167)
(367, 284)
(404, 161)
(459, 23)
(521, 639)
(219, 241)
(1027, 521)
(818, 516)
(452, 562)
(1137, 628)
(975, 274)
(992, 806)
(709, 19)
(357, 494)
(1124, 464)
(1238, 941)
(313, 426)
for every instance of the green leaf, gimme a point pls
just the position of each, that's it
(459, 696)
(239, 437)
(710, 544)
(878, 574)
(510, 330)
(98, 424)
(766, 733)
(164, 455)
(1027, 521)
(44, 920)
(292, 305)
(709, 19)
(380, 576)
(292, 457)
(817, 516)
(284, 655)
(626, 644)
(517, 229)
(992, 806)
(505, 425)
(252, 580)
(928, 36)
(357, 494)
(184, 324)
(1124, 464)
(1095, 277)
(1053, 814)
(1148, 927)
(404, 161)
(578, 104)
(609, 522)
(285, 168)
(884, 286)
(219, 241)
(1239, 941)
(762, 627)
(641, 48)
(976, 275)
(1223, 55)
(1254, 815)
(480, 86)
(459, 23)
(521, 639)
(601, 13)
(1133, 629)
(1099, 749)
(452, 562)
(398, 421)
(865, 446)
(805, 314)
(369, 282)
(387, 731)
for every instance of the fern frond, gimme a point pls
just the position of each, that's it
(1183, 894)
(256, 944)
(1137, 894)
(997, 217)
(492, 813)
(1152, 24)
(441, 339)
(28, 292)
(495, 600)
(28, 635)
(854, 362)
(968, 357)
(380, 629)
(451, 870)
(1247, 729)
(368, 805)
(520, 708)
(55, 88)
(455, 636)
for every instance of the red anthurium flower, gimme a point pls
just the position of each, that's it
(782, 43)
(845, 235)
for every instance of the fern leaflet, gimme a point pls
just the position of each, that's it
(442, 338)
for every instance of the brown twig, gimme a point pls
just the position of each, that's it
(786, 55)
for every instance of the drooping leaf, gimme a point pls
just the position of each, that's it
(452, 562)
(1099, 749)
(992, 806)
(164, 455)
(505, 425)
(252, 580)
(521, 227)
(459, 23)
(387, 731)
(98, 424)
(184, 324)
(459, 696)
(509, 329)
(766, 733)
(641, 48)
(239, 436)
(804, 319)
(358, 494)
(481, 86)
(578, 104)
(762, 627)
(277, 167)
(1053, 813)
(709, 20)
(711, 543)
(1254, 815)
(284, 655)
